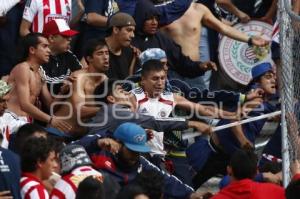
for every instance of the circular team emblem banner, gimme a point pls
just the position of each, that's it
(237, 58)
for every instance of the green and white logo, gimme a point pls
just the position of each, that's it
(237, 58)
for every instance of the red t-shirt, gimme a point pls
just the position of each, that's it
(248, 189)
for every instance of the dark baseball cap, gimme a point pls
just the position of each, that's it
(120, 19)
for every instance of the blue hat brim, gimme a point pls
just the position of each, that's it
(56, 132)
(260, 69)
(138, 148)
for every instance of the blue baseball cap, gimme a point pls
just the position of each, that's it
(133, 136)
(260, 69)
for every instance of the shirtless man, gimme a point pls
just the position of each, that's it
(86, 80)
(185, 31)
(28, 86)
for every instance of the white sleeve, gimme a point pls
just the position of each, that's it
(30, 10)
(6, 5)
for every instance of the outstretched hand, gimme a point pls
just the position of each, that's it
(208, 65)
(60, 124)
(109, 144)
(256, 93)
(201, 127)
(5, 195)
(244, 18)
(259, 41)
(150, 134)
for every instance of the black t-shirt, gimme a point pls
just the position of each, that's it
(58, 69)
(249, 7)
(119, 64)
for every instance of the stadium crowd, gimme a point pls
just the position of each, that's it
(96, 97)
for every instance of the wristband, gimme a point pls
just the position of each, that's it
(243, 98)
(250, 42)
(50, 120)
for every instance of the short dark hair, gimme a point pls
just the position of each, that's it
(93, 45)
(293, 190)
(24, 132)
(130, 191)
(152, 182)
(34, 150)
(109, 30)
(243, 164)
(152, 65)
(105, 89)
(30, 40)
(90, 188)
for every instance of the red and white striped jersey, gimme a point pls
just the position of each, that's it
(66, 187)
(39, 12)
(32, 188)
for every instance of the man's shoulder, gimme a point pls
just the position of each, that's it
(9, 157)
(199, 6)
(79, 73)
(69, 55)
(137, 90)
(270, 186)
(22, 67)
(269, 189)
(127, 51)
(8, 152)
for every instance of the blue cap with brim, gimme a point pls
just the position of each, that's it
(56, 132)
(133, 136)
(260, 69)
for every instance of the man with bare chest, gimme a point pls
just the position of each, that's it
(185, 31)
(80, 106)
(28, 86)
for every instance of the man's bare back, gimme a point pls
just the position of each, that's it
(81, 101)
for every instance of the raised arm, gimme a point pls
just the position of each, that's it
(25, 27)
(270, 13)
(211, 111)
(92, 9)
(30, 11)
(229, 6)
(211, 21)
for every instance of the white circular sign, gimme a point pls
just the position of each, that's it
(237, 58)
